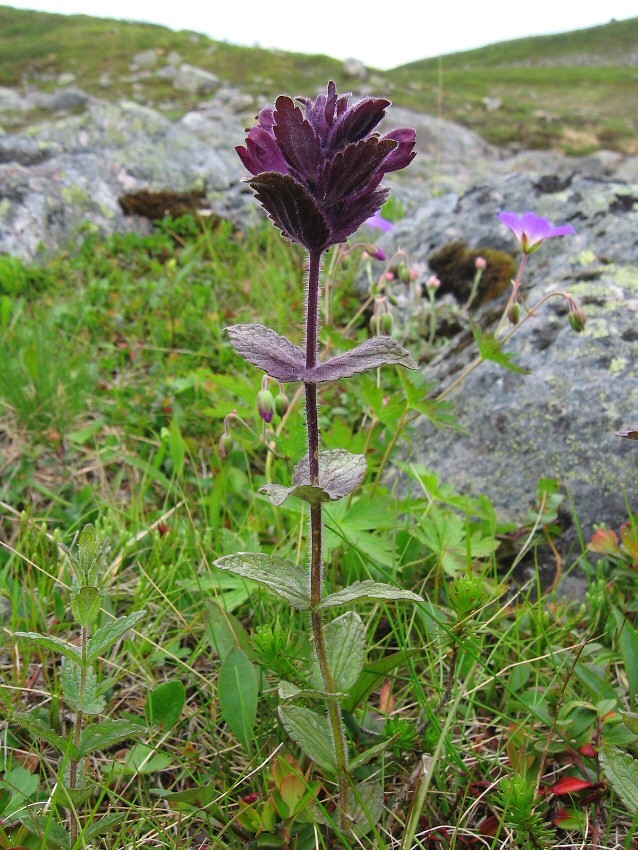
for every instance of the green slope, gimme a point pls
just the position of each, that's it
(574, 91)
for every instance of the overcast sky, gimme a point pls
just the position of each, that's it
(381, 34)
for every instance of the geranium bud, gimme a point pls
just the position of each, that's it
(379, 254)
(281, 404)
(226, 444)
(266, 405)
(480, 263)
(514, 313)
(404, 273)
(375, 324)
(386, 323)
(577, 319)
(433, 282)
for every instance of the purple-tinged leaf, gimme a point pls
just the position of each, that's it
(292, 209)
(355, 170)
(340, 473)
(286, 579)
(347, 216)
(380, 351)
(368, 590)
(268, 350)
(628, 433)
(358, 121)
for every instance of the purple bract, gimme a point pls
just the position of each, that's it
(531, 230)
(318, 176)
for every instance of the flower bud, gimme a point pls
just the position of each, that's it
(266, 405)
(514, 313)
(577, 319)
(226, 444)
(405, 273)
(480, 263)
(375, 324)
(433, 283)
(378, 253)
(386, 324)
(281, 404)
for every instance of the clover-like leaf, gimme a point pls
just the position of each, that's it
(490, 349)
(340, 472)
(286, 579)
(345, 640)
(268, 350)
(312, 732)
(367, 590)
(379, 351)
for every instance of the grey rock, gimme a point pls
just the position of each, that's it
(66, 78)
(65, 100)
(23, 150)
(144, 59)
(174, 59)
(12, 101)
(355, 69)
(195, 80)
(560, 420)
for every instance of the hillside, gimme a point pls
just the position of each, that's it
(575, 92)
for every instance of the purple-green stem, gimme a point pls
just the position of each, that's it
(316, 528)
(77, 734)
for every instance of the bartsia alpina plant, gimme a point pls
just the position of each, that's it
(317, 169)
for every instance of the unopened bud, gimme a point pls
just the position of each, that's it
(386, 324)
(405, 273)
(514, 313)
(378, 254)
(375, 324)
(480, 263)
(433, 282)
(281, 404)
(226, 444)
(577, 319)
(266, 405)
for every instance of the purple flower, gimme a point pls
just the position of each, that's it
(532, 230)
(318, 176)
(378, 221)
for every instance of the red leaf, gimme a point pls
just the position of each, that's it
(571, 785)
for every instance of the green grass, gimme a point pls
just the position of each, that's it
(526, 685)
(573, 92)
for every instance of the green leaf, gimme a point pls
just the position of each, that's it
(165, 704)
(312, 733)
(373, 675)
(490, 349)
(345, 640)
(5, 795)
(366, 806)
(439, 412)
(42, 730)
(630, 720)
(288, 691)
(103, 736)
(371, 752)
(142, 759)
(224, 631)
(622, 771)
(198, 798)
(91, 702)
(110, 633)
(627, 642)
(238, 691)
(367, 590)
(51, 834)
(54, 643)
(20, 785)
(86, 604)
(99, 827)
(286, 579)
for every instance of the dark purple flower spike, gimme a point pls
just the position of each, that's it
(318, 176)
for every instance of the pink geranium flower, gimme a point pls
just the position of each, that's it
(531, 230)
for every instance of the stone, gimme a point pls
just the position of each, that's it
(23, 150)
(195, 80)
(66, 78)
(65, 100)
(355, 69)
(145, 59)
(560, 420)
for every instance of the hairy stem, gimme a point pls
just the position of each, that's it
(316, 527)
(77, 733)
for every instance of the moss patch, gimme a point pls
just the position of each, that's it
(454, 264)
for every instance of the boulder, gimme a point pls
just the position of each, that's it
(560, 419)
(195, 80)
